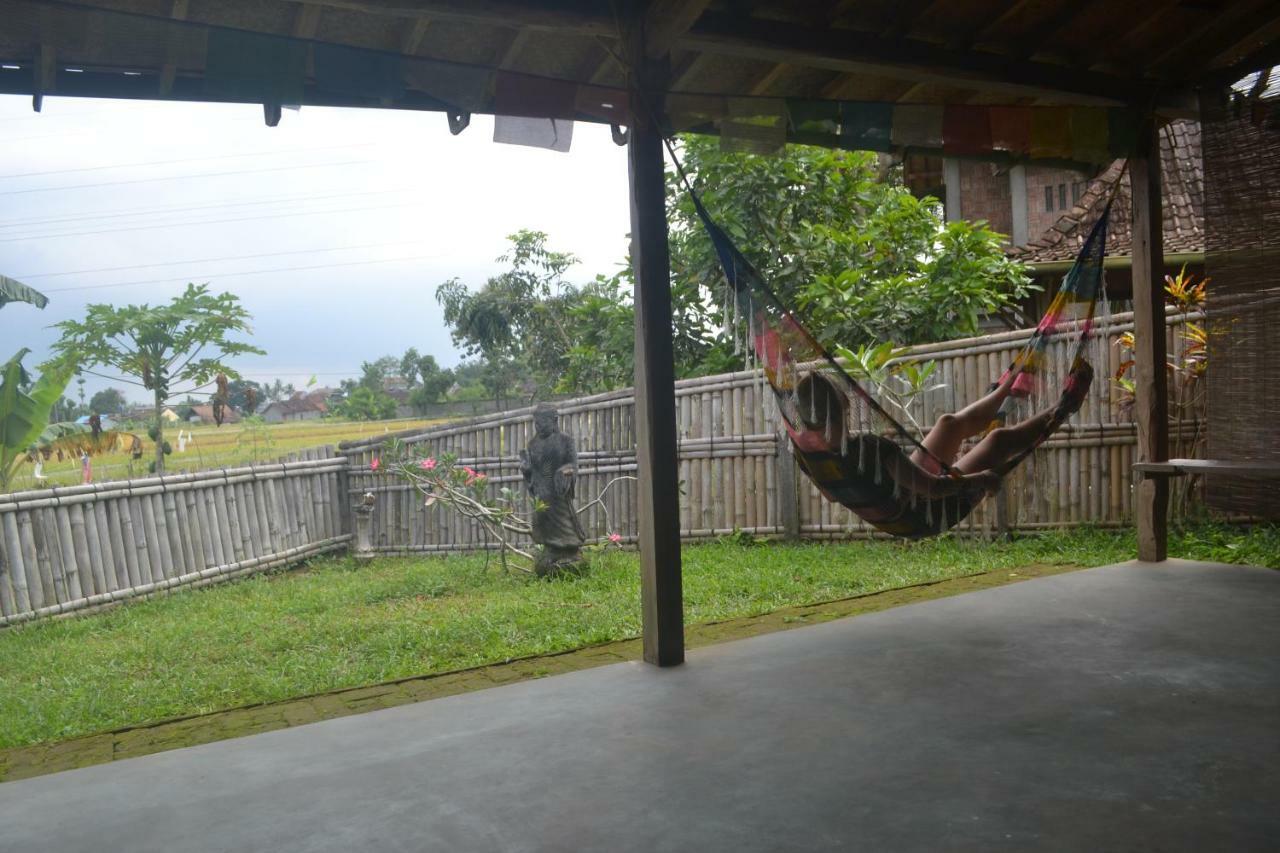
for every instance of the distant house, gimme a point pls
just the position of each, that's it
(300, 407)
(1047, 211)
(148, 414)
(203, 414)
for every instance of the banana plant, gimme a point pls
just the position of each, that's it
(24, 415)
(12, 290)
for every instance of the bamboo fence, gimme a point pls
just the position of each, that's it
(737, 475)
(69, 549)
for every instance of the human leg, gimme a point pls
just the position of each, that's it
(1003, 443)
(951, 430)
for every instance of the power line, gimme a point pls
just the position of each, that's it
(145, 211)
(214, 260)
(240, 273)
(183, 177)
(237, 219)
(184, 160)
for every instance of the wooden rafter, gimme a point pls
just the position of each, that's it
(765, 81)
(1032, 42)
(554, 15)
(667, 20)
(984, 27)
(307, 21)
(1218, 34)
(412, 40)
(169, 70)
(848, 51)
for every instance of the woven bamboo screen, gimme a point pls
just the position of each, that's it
(1242, 242)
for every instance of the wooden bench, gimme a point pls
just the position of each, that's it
(1185, 467)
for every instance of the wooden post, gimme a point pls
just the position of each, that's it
(1151, 406)
(657, 464)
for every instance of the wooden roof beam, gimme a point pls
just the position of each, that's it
(558, 15)
(853, 52)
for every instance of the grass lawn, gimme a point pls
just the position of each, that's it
(215, 447)
(332, 625)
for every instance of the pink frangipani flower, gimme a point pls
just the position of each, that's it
(376, 463)
(615, 538)
(428, 464)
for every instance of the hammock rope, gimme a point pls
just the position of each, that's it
(783, 346)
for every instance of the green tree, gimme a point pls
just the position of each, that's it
(518, 323)
(428, 380)
(863, 259)
(108, 401)
(245, 395)
(366, 404)
(186, 342)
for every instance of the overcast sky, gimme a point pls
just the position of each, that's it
(125, 202)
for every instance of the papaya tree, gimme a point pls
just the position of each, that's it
(170, 350)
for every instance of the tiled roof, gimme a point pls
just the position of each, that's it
(1182, 178)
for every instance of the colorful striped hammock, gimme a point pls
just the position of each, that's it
(857, 469)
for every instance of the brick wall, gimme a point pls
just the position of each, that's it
(1063, 185)
(984, 194)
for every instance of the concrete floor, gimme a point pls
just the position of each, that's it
(1131, 707)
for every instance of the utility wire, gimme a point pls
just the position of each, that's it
(149, 163)
(214, 260)
(183, 177)
(148, 211)
(28, 237)
(240, 273)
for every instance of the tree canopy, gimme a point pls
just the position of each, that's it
(838, 237)
(169, 349)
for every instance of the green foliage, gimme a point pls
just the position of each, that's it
(108, 401)
(24, 415)
(185, 342)
(863, 259)
(12, 290)
(365, 404)
(897, 382)
(429, 382)
(519, 321)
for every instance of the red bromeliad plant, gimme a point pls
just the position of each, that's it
(444, 482)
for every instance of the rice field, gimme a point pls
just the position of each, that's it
(212, 447)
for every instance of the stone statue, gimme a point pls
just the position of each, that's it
(549, 466)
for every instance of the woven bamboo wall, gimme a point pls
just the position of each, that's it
(79, 547)
(732, 476)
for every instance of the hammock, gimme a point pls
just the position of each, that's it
(862, 471)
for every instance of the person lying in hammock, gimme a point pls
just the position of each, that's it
(871, 475)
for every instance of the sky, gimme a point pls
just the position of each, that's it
(334, 228)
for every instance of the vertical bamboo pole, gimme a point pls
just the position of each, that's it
(25, 586)
(31, 558)
(65, 544)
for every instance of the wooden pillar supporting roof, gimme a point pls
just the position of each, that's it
(656, 450)
(1151, 393)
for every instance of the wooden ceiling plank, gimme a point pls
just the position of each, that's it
(765, 82)
(546, 15)
(307, 21)
(849, 51)
(1215, 36)
(688, 70)
(1031, 43)
(986, 26)
(509, 53)
(412, 41)
(667, 20)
